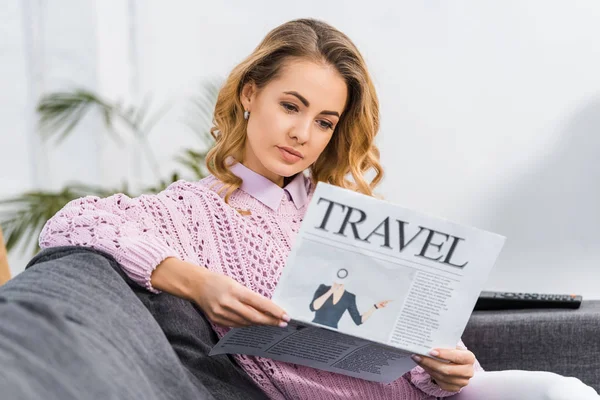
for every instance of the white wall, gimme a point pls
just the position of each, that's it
(490, 110)
(44, 46)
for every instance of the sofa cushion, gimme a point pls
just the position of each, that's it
(72, 328)
(191, 336)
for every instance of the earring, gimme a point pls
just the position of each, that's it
(246, 114)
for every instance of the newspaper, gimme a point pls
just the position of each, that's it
(369, 283)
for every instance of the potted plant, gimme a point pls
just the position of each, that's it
(23, 216)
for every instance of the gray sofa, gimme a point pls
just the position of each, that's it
(563, 341)
(74, 327)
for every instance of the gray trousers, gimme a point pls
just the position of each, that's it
(73, 326)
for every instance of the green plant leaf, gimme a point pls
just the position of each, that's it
(23, 217)
(60, 112)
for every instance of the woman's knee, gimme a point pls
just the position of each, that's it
(569, 388)
(530, 385)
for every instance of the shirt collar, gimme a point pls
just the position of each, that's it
(267, 192)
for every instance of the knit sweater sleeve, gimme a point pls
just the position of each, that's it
(138, 232)
(422, 380)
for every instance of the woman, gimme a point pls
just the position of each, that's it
(303, 100)
(329, 303)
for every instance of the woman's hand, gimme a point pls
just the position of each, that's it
(223, 300)
(450, 376)
(336, 287)
(228, 303)
(382, 304)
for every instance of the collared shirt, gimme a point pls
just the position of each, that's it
(269, 193)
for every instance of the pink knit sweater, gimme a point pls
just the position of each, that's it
(190, 221)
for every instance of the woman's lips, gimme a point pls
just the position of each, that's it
(290, 155)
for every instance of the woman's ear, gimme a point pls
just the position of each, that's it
(247, 95)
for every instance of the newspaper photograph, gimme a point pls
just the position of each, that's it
(367, 284)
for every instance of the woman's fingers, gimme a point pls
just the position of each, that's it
(254, 317)
(262, 304)
(235, 314)
(447, 370)
(229, 319)
(383, 303)
(451, 384)
(456, 356)
(450, 376)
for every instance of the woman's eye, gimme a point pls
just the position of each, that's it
(326, 125)
(289, 107)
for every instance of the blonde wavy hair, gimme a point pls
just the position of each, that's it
(351, 150)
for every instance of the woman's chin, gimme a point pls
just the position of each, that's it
(284, 169)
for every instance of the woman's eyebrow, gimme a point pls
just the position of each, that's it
(306, 103)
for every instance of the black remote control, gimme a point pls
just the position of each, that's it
(515, 301)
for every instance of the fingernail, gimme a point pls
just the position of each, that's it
(416, 358)
(283, 324)
(286, 318)
(434, 353)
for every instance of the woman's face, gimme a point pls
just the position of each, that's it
(292, 118)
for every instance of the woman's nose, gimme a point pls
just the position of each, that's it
(301, 132)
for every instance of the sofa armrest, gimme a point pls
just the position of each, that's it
(566, 342)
